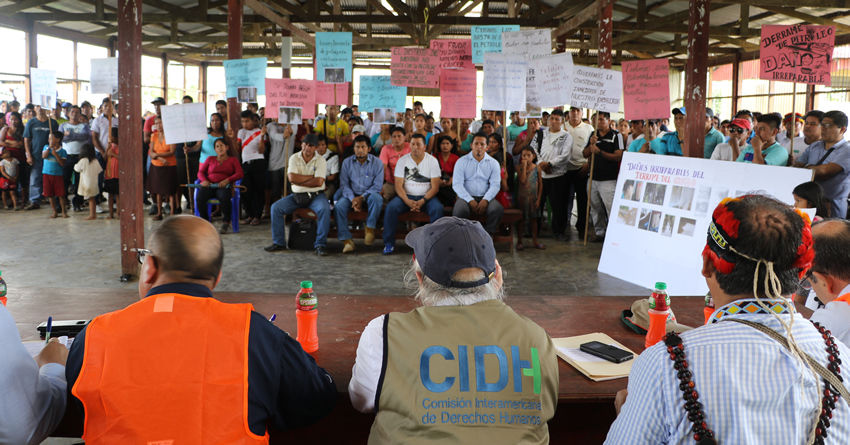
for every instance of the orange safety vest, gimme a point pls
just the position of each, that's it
(170, 369)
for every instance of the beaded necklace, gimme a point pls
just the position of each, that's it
(702, 434)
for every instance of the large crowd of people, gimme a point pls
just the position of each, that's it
(460, 166)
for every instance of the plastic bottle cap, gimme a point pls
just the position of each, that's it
(306, 285)
(661, 286)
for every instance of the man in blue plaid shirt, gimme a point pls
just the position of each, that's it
(739, 385)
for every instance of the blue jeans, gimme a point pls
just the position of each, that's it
(373, 202)
(433, 207)
(286, 206)
(36, 178)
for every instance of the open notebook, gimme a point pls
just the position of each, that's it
(595, 368)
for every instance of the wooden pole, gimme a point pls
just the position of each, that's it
(590, 181)
(505, 141)
(234, 51)
(286, 176)
(189, 180)
(793, 118)
(696, 77)
(130, 197)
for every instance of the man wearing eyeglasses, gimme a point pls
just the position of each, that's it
(811, 134)
(829, 158)
(830, 276)
(180, 366)
(739, 130)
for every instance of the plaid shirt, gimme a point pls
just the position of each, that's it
(749, 385)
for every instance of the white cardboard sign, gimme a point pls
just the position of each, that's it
(43, 87)
(534, 44)
(662, 208)
(552, 75)
(104, 76)
(184, 122)
(596, 88)
(504, 81)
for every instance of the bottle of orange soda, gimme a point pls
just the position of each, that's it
(659, 310)
(306, 314)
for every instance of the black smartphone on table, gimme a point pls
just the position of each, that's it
(607, 352)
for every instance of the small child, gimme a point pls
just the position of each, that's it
(53, 180)
(88, 167)
(9, 178)
(529, 194)
(110, 183)
(810, 195)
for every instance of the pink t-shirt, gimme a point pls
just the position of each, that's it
(390, 158)
(149, 124)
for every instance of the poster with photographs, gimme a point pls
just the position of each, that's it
(384, 116)
(246, 94)
(664, 206)
(289, 115)
(334, 75)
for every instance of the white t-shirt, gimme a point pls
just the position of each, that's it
(581, 135)
(332, 162)
(251, 150)
(103, 128)
(800, 146)
(723, 152)
(417, 177)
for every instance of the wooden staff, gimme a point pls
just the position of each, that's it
(286, 176)
(188, 179)
(590, 181)
(793, 118)
(505, 141)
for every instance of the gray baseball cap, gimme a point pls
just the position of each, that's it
(450, 244)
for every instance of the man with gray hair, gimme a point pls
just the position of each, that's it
(483, 377)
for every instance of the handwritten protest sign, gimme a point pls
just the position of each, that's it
(552, 78)
(333, 49)
(291, 93)
(454, 53)
(378, 92)
(646, 84)
(43, 87)
(415, 67)
(596, 88)
(240, 73)
(797, 53)
(534, 43)
(325, 93)
(184, 122)
(504, 81)
(488, 39)
(104, 75)
(457, 93)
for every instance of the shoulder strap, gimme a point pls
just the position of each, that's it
(539, 141)
(817, 367)
(828, 152)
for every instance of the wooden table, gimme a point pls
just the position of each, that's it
(585, 408)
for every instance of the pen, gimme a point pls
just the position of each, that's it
(49, 328)
(274, 316)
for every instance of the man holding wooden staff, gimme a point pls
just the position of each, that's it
(607, 146)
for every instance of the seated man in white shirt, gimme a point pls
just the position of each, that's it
(830, 276)
(34, 391)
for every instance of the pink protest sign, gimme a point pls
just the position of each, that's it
(414, 67)
(797, 53)
(291, 93)
(457, 93)
(325, 93)
(454, 53)
(646, 87)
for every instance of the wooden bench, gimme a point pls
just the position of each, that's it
(504, 234)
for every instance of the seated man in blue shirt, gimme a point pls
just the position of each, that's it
(671, 143)
(34, 391)
(763, 148)
(476, 180)
(361, 179)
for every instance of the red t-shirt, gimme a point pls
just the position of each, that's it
(448, 167)
(149, 124)
(213, 171)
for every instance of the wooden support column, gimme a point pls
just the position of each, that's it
(234, 51)
(736, 77)
(286, 71)
(130, 211)
(32, 57)
(606, 27)
(695, 78)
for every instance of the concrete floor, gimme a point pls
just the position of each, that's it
(36, 251)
